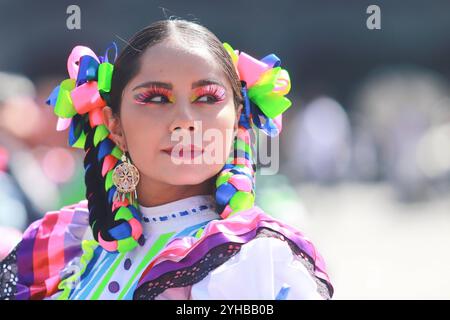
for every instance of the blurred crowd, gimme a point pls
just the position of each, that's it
(38, 172)
(396, 129)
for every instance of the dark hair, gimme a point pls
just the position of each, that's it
(99, 189)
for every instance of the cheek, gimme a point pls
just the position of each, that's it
(143, 133)
(219, 132)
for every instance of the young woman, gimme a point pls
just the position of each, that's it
(161, 220)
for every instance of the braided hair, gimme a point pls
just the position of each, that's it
(78, 102)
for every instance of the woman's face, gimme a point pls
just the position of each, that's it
(180, 97)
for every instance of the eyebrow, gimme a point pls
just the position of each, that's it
(205, 82)
(169, 86)
(154, 84)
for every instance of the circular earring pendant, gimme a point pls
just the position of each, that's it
(125, 176)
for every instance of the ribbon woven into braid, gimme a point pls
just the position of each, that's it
(264, 86)
(78, 102)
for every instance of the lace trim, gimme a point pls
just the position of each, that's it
(322, 287)
(189, 275)
(8, 277)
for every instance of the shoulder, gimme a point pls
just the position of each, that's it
(266, 267)
(47, 246)
(58, 229)
(234, 249)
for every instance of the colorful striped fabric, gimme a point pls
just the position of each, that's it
(51, 249)
(48, 245)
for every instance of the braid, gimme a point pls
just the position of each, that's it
(115, 224)
(235, 184)
(112, 222)
(264, 103)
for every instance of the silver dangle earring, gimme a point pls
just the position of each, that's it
(125, 177)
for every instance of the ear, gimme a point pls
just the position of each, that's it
(238, 116)
(112, 122)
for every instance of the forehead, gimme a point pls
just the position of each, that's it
(177, 62)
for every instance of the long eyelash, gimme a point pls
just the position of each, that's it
(212, 90)
(145, 97)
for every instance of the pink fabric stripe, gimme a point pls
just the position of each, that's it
(56, 242)
(108, 163)
(136, 228)
(37, 291)
(96, 117)
(117, 204)
(241, 182)
(226, 212)
(244, 135)
(40, 255)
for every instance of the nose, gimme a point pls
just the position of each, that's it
(189, 127)
(183, 120)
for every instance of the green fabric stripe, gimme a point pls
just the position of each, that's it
(123, 213)
(108, 180)
(101, 132)
(116, 152)
(157, 246)
(199, 232)
(240, 144)
(106, 279)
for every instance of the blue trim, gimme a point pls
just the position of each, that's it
(92, 281)
(121, 231)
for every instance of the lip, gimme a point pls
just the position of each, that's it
(188, 151)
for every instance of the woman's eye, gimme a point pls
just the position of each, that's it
(207, 99)
(158, 99)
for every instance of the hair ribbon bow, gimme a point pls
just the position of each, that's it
(264, 86)
(86, 91)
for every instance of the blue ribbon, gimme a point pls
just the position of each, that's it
(88, 70)
(122, 231)
(252, 113)
(112, 45)
(75, 129)
(282, 294)
(105, 148)
(111, 193)
(51, 100)
(272, 60)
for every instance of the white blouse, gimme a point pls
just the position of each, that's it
(259, 271)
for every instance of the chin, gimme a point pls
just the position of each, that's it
(186, 174)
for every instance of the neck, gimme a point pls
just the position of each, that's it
(154, 193)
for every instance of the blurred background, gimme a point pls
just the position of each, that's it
(365, 149)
